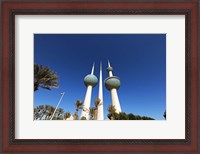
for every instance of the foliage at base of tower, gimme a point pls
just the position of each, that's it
(123, 116)
(83, 118)
(45, 112)
(78, 106)
(67, 115)
(75, 116)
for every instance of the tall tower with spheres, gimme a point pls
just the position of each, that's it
(90, 81)
(112, 83)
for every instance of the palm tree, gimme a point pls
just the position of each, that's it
(92, 112)
(112, 110)
(36, 113)
(44, 77)
(83, 118)
(78, 106)
(67, 115)
(47, 111)
(41, 109)
(50, 112)
(75, 116)
(97, 102)
(60, 112)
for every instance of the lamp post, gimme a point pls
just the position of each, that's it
(58, 104)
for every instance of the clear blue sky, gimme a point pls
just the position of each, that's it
(139, 60)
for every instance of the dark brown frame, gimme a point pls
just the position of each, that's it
(189, 9)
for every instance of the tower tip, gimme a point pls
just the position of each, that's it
(108, 63)
(92, 72)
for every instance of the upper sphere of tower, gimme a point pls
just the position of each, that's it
(112, 82)
(109, 68)
(90, 79)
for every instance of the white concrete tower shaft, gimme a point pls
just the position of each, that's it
(100, 115)
(86, 104)
(90, 81)
(115, 100)
(112, 84)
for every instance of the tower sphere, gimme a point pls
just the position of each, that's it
(112, 82)
(109, 69)
(90, 79)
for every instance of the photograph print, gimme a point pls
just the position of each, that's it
(99, 77)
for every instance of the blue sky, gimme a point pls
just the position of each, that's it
(139, 60)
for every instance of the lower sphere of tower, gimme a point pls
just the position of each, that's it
(112, 83)
(90, 79)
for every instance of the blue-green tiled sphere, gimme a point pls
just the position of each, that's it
(112, 82)
(90, 80)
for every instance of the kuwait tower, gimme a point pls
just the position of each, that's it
(112, 83)
(90, 81)
(100, 96)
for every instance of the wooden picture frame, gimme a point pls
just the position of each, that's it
(189, 9)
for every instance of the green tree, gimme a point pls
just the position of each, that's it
(112, 115)
(112, 110)
(44, 77)
(138, 117)
(123, 116)
(131, 116)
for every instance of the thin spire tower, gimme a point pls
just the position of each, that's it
(112, 83)
(90, 81)
(100, 96)
(92, 71)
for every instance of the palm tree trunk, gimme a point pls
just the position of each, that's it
(46, 117)
(41, 116)
(112, 117)
(95, 114)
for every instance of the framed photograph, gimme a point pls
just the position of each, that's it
(100, 76)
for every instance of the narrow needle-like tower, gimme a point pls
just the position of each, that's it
(90, 81)
(100, 96)
(112, 83)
